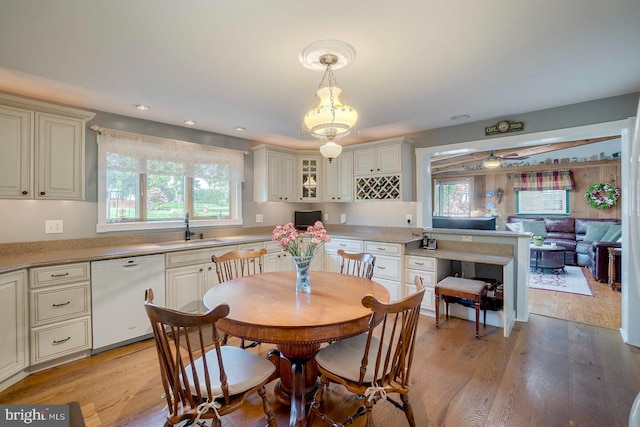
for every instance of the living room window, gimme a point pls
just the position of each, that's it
(543, 193)
(147, 182)
(452, 197)
(543, 202)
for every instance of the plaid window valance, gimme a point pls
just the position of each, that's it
(551, 180)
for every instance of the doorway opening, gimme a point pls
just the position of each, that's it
(608, 306)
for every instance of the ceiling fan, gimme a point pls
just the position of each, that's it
(513, 156)
(494, 160)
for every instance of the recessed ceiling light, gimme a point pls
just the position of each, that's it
(189, 122)
(240, 128)
(460, 117)
(142, 107)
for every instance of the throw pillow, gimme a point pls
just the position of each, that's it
(613, 233)
(595, 231)
(537, 228)
(516, 227)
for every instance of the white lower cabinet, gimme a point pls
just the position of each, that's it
(276, 259)
(14, 334)
(189, 275)
(388, 268)
(60, 297)
(432, 270)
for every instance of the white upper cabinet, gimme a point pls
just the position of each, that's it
(309, 178)
(379, 170)
(16, 136)
(41, 150)
(338, 178)
(60, 158)
(378, 160)
(274, 174)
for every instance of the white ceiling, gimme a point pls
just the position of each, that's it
(231, 63)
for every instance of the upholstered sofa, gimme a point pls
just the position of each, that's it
(570, 233)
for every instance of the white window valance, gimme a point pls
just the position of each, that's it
(134, 152)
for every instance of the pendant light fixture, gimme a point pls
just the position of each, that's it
(329, 119)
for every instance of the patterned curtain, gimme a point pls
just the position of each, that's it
(551, 180)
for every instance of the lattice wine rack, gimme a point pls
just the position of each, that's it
(378, 187)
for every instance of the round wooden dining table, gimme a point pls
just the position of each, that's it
(266, 308)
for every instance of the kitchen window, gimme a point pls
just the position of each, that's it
(147, 182)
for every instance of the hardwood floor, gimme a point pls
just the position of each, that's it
(602, 309)
(550, 372)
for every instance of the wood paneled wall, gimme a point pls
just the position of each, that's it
(584, 175)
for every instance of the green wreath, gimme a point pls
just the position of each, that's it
(602, 196)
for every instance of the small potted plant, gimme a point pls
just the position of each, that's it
(537, 240)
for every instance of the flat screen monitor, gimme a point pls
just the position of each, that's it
(303, 219)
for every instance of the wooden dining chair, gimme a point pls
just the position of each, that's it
(234, 264)
(203, 379)
(357, 264)
(374, 364)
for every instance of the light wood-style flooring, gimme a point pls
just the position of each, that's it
(602, 309)
(550, 372)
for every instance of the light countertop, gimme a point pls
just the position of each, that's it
(63, 252)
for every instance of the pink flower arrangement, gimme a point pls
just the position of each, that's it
(298, 243)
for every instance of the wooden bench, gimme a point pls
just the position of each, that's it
(457, 287)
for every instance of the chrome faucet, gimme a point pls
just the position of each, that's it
(187, 233)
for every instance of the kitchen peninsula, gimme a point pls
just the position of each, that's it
(499, 255)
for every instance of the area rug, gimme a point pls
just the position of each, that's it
(573, 281)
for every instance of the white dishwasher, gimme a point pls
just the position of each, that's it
(117, 298)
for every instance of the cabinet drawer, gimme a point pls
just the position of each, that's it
(420, 263)
(428, 277)
(250, 247)
(59, 303)
(59, 274)
(346, 245)
(197, 256)
(272, 246)
(380, 248)
(387, 268)
(60, 339)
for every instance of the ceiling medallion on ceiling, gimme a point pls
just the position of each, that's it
(330, 119)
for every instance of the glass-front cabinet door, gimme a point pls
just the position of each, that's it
(309, 168)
